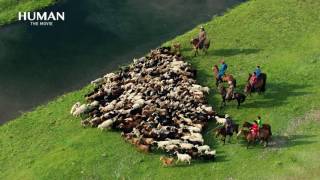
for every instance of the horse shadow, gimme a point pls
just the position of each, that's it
(276, 94)
(280, 141)
(233, 52)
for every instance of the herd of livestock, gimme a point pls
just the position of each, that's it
(156, 104)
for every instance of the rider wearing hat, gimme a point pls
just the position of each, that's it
(202, 37)
(259, 121)
(258, 71)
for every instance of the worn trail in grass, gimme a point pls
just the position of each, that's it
(281, 36)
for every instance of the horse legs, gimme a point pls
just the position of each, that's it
(195, 52)
(265, 143)
(223, 102)
(238, 100)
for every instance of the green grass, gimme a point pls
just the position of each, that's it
(9, 9)
(281, 36)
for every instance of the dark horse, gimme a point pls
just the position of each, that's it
(225, 78)
(223, 132)
(259, 86)
(197, 46)
(237, 96)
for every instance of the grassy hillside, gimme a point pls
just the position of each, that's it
(281, 36)
(9, 9)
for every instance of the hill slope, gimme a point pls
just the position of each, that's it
(281, 36)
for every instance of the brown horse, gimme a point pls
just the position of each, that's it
(222, 131)
(239, 97)
(248, 136)
(195, 43)
(225, 78)
(264, 126)
(259, 86)
(263, 136)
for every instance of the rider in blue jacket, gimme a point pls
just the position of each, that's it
(222, 69)
(258, 71)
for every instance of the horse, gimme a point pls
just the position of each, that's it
(264, 126)
(195, 43)
(259, 86)
(248, 136)
(237, 96)
(222, 131)
(263, 136)
(225, 78)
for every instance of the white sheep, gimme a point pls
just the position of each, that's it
(74, 107)
(220, 120)
(138, 104)
(107, 108)
(170, 147)
(187, 120)
(203, 148)
(94, 104)
(98, 81)
(183, 158)
(193, 129)
(208, 152)
(106, 124)
(80, 110)
(186, 145)
(174, 141)
(136, 132)
(207, 109)
(162, 144)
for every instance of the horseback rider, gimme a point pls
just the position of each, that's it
(253, 79)
(202, 37)
(255, 129)
(258, 71)
(228, 124)
(223, 68)
(230, 90)
(259, 121)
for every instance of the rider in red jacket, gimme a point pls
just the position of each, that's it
(255, 129)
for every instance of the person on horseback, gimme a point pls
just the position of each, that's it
(253, 79)
(259, 121)
(202, 37)
(258, 71)
(230, 91)
(228, 124)
(222, 70)
(255, 129)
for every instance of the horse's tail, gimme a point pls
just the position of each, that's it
(243, 98)
(207, 43)
(270, 131)
(235, 83)
(264, 78)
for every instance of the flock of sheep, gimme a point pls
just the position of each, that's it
(156, 103)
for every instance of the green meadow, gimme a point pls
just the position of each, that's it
(280, 36)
